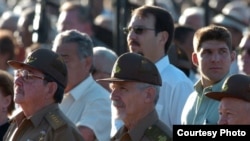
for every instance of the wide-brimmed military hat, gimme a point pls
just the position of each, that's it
(232, 19)
(235, 86)
(46, 61)
(134, 67)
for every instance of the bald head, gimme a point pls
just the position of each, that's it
(103, 61)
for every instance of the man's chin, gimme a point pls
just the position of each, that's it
(141, 53)
(138, 52)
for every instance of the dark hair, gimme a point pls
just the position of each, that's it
(163, 20)
(181, 32)
(58, 96)
(6, 86)
(7, 43)
(212, 32)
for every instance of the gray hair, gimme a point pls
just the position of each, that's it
(82, 40)
(141, 85)
(107, 56)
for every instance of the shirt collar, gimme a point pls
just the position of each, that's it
(84, 85)
(162, 63)
(215, 87)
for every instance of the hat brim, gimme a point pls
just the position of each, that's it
(219, 95)
(18, 65)
(225, 21)
(113, 80)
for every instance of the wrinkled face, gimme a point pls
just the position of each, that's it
(78, 68)
(244, 56)
(213, 61)
(128, 99)
(142, 37)
(30, 88)
(234, 111)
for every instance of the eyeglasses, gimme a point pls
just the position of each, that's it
(27, 76)
(137, 30)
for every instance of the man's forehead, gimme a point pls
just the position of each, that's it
(229, 100)
(143, 16)
(214, 44)
(142, 20)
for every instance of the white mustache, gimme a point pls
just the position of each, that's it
(117, 103)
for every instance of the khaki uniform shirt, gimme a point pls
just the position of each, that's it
(49, 124)
(149, 128)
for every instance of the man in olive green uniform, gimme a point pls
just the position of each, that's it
(38, 88)
(135, 83)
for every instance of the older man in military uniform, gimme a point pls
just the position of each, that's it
(38, 88)
(135, 83)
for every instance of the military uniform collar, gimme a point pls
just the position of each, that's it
(138, 131)
(37, 117)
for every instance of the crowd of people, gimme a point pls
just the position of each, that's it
(62, 79)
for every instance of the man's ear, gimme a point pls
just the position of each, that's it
(233, 56)
(52, 87)
(194, 59)
(150, 94)
(89, 62)
(163, 37)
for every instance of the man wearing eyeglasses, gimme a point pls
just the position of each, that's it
(150, 32)
(39, 84)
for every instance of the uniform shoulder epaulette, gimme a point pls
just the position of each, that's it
(55, 120)
(156, 134)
